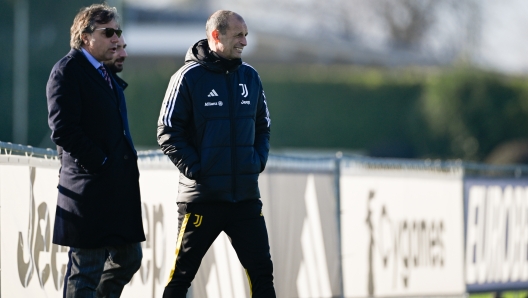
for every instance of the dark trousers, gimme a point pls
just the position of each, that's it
(101, 272)
(200, 223)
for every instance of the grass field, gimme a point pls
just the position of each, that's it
(516, 294)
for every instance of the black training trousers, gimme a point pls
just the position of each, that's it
(200, 223)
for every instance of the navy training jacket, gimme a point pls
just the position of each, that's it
(214, 125)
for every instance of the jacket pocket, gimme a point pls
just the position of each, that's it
(248, 160)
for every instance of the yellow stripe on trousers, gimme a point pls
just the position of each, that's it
(178, 244)
(250, 285)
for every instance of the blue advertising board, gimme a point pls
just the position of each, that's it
(496, 234)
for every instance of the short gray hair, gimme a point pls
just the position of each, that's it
(219, 20)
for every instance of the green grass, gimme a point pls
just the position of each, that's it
(512, 294)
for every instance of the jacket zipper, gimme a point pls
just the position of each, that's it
(232, 103)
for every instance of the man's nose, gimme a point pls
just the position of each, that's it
(244, 41)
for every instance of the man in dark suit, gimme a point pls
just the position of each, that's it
(116, 64)
(98, 212)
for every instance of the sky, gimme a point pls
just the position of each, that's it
(493, 35)
(504, 41)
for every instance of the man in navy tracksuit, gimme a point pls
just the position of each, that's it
(214, 125)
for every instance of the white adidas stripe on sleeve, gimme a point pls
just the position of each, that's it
(172, 93)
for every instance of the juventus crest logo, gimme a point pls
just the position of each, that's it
(198, 221)
(244, 90)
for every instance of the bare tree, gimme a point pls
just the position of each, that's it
(438, 31)
(407, 20)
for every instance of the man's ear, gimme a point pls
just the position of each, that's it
(84, 38)
(215, 34)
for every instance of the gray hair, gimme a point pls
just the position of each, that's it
(85, 20)
(219, 21)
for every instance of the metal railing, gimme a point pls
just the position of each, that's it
(14, 149)
(311, 162)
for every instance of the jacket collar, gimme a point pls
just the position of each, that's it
(79, 56)
(201, 53)
(119, 80)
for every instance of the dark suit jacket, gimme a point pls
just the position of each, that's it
(99, 199)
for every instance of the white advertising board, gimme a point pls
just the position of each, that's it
(34, 267)
(402, 233)
(31, 265)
